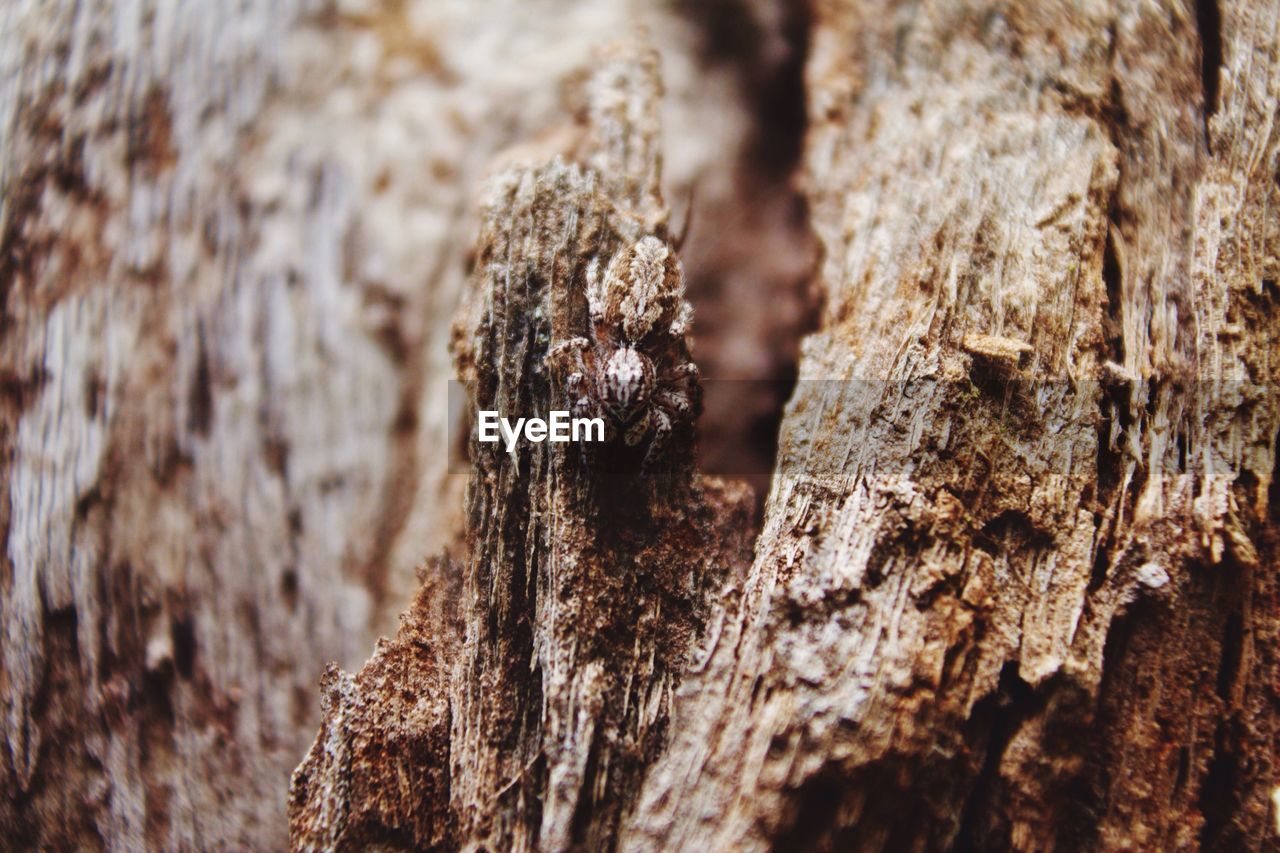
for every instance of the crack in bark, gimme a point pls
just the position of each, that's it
(1209, 25)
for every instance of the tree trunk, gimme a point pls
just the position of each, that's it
(232, 239)
(1010, 589)
(1013, 585)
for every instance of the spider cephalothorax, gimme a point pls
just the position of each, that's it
(626, 383)
(634, 370)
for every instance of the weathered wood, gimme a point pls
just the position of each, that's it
(1016, 581)
(1010, 588)
(585, 584)
(1030, 603)
(232, 237)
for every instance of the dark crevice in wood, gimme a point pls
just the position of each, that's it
(1220, 795)
(1102, 552)
(868, 807)
(1273, 490)
(1012, 531)
(1111, 276)
(1209, 23)
(1113, 435)
(184, 645)
(1232, 649)
(817, 825)
(992, 725)
(25, 812)
(1184, 770)
(737, 283)
(581, 822)
(289, 588)
(1093, 784)
(201, 402)
(774, 90)
(1114, 416)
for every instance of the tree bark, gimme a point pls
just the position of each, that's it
(232, 239)
(1011, 588)
(1013, 585)
(586, 584)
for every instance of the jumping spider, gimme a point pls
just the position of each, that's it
(634, 371)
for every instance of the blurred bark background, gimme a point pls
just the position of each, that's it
(982, 612)
(232, 241)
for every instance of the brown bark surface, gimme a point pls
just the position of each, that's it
(1014, 584)
(232, 240)
(585, 586)
(1012, 588)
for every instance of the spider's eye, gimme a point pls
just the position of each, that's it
(628, 376)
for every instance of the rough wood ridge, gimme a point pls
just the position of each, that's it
(584, 588)
(232, 238)
(1015, 585)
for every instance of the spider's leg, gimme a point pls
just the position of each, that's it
(661, 436)
(675, 403)
(638, 430)
(687, 372)
(684, 318)
(569, 351)
(682, 383)
(568, 367)
(585, 405)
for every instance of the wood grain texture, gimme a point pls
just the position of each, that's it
(1015, 583)
(584, 588)
(232, 240)
(1011, 601)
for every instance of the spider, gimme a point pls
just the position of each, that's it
(634, 371)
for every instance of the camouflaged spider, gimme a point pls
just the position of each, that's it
(634, 371)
